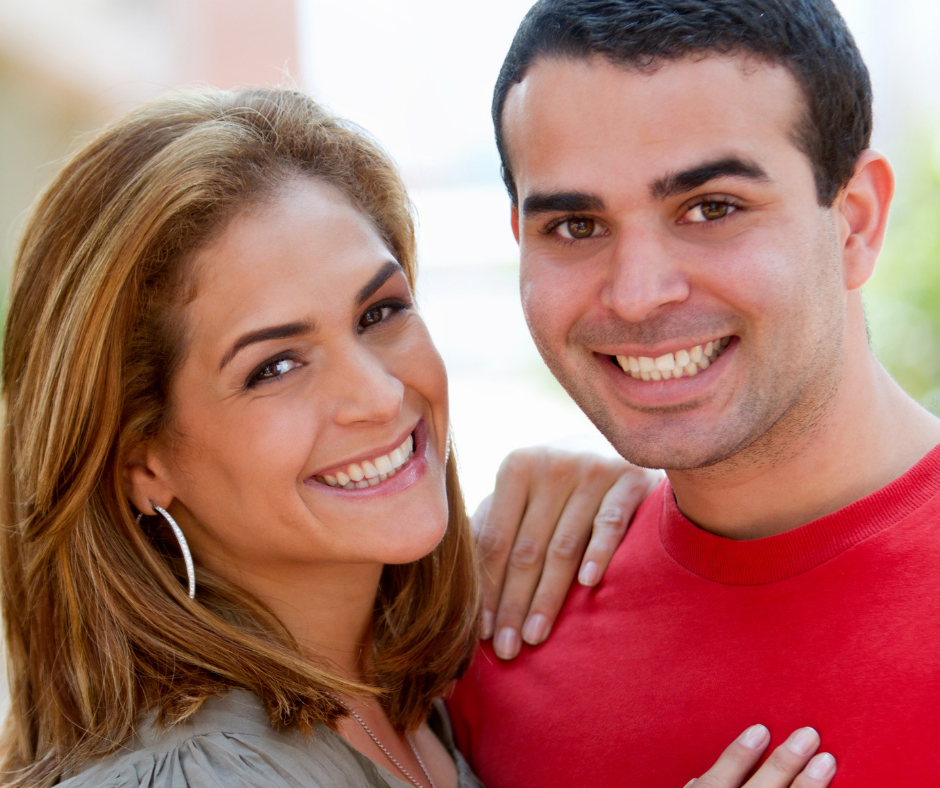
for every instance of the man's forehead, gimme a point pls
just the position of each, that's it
(681, 114)
(656, 76)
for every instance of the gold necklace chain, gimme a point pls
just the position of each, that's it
(384, 749)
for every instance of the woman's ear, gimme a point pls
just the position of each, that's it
(146, 481)
(861, 210)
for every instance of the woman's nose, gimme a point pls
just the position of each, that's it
(366, 391)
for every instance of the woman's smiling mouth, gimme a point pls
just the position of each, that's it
(369, 473)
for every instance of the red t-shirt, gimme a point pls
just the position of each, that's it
(691, 638)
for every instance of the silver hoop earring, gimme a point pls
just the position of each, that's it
(184, 547)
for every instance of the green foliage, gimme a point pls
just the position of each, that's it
(903, 297)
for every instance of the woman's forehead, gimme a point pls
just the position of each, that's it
(305, 255)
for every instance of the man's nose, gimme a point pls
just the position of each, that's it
(365, 389)
(644, 276)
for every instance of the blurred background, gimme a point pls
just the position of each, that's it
(418, 74)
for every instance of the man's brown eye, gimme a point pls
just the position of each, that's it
(715, 210)
(581, 228)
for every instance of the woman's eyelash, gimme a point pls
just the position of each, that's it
(276, 364)
(393, 305)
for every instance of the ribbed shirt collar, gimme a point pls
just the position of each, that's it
(774, 558)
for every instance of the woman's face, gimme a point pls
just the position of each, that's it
(307, 373)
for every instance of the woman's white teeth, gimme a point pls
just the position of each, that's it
(368, 474)
(682, 363)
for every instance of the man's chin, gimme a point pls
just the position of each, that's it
(670, 458)
(672, 446)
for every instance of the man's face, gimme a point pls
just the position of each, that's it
(668, 219)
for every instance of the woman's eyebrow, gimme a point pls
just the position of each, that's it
(288, 330)
(264, 335)
(380, 278)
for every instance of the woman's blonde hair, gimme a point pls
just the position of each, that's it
(98, 623)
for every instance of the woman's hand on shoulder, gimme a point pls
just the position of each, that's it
(554, 515)
(793, 764)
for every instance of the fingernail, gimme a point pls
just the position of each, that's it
(754, 737)
(691, 782)
(590, 574)
(803, 741)
(821, 767)
(507, 643)
(533, 632)
(489, 623)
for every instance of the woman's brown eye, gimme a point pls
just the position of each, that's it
(371, 317)
(272, 370)
(581, 228)
(714, 210)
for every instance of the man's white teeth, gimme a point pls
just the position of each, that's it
(368, 474)
(665, 363)
(682, 363)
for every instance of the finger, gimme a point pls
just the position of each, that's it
(612, 519)
(479, 516)
(818, 772)
(562, 558)
(497, 533)
(527, 557)
(781, 768)
(477, 520)
(736, 762)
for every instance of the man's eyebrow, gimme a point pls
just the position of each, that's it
(687, 180)
(381, 277)
(265, 335)
(561, 202)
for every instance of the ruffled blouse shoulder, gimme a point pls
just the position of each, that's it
(229, 743)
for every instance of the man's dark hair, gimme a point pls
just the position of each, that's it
(808, 37)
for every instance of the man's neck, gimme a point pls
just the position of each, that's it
(870, 434)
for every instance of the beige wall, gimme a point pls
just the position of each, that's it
(67, 66)
(233, 42)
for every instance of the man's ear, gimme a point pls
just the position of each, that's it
(861, 211)
(514, 219)
(146, 481)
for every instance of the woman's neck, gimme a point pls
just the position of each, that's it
(327, 608)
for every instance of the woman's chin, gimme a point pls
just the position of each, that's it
(416, 543)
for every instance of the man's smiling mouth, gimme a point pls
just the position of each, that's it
(359, 475)
(680, 364)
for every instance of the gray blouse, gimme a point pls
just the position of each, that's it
(228, 743)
